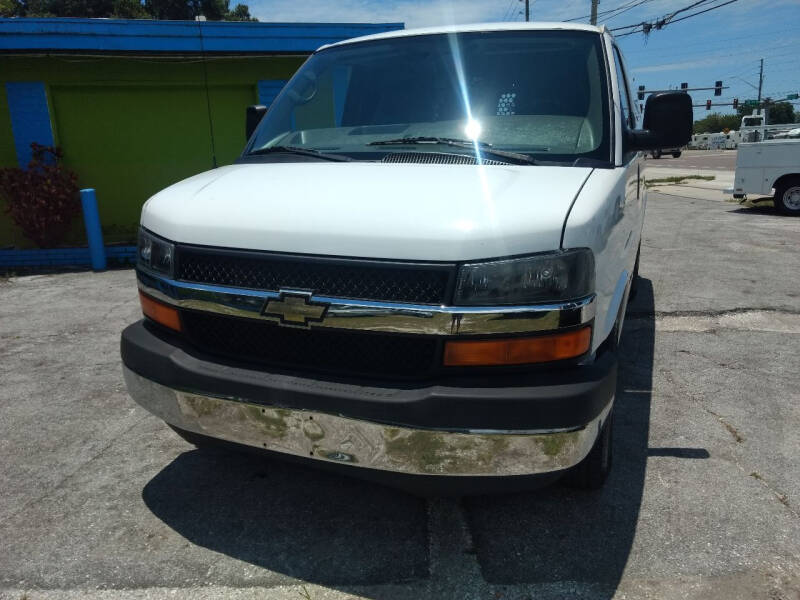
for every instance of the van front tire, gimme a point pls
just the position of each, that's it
(591, 473)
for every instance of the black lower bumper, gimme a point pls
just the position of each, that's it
(559, 399)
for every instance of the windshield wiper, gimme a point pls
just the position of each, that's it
(301, 152)
(484, 147)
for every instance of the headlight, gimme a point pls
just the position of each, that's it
(550, 277)
(155, 253)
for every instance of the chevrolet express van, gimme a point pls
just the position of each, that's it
(419, 266)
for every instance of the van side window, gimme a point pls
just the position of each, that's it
(628, 116)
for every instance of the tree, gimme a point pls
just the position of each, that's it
(240, 13)
(10, 8)
(716, 122)
(213, 10)
(68, 8)
(778, 112)
(130, 9)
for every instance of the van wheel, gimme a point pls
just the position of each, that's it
(676, 155)
(787, 197)
(592, 471)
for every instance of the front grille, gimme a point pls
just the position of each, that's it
(370, 354)
(346, 278)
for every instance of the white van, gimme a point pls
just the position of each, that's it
(419, 265)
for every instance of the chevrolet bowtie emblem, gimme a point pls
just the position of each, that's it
(295, 308)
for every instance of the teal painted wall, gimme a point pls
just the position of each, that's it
(130, 126)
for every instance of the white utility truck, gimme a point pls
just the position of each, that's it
(770, 168)
(418, 268)
(755, 128)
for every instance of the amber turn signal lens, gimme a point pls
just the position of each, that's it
(517, 351)
(160, 312)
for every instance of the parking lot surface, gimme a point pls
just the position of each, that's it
(717, 160)
(99, 499)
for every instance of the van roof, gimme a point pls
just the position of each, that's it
(534, 26)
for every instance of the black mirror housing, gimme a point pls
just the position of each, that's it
(668, 119)
(254, 115)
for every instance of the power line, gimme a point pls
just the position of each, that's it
(664, 20)
(626, 6)
(507, 12)
(603, 12)
(624, 10)
(702, 42)
(647, 26)
(703, 11)
(726, 47)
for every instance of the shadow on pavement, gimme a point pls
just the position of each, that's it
(762, 208)
(559, 534)
(293, 520)
(332, 530)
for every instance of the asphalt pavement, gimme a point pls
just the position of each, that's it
(99, 499)
(718, 160)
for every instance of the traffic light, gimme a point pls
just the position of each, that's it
(708, 104)
(718, 88)
(640, 95)
(735, 103)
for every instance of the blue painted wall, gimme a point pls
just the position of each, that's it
(30, 117)
(129, 35)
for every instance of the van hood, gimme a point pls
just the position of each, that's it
(371, 210)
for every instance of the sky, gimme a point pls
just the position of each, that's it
(724, 44)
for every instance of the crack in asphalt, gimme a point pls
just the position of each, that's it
(738, 439)
(710, 321)
(112, 441)
(452, 560)
(737, 436)
(658, 314)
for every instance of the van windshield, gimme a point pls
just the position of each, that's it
(538, 93)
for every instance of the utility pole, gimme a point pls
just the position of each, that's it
(760, 80)
(594, 12)
(527, 10)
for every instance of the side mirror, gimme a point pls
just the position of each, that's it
(668, 118)
(255, 113)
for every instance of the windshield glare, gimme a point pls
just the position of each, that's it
(541, 93)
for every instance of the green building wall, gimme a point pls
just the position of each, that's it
(132, 125)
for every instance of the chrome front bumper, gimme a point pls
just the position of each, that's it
(337, 439)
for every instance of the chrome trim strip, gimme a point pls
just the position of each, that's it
(366, 444)
(369, 315)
